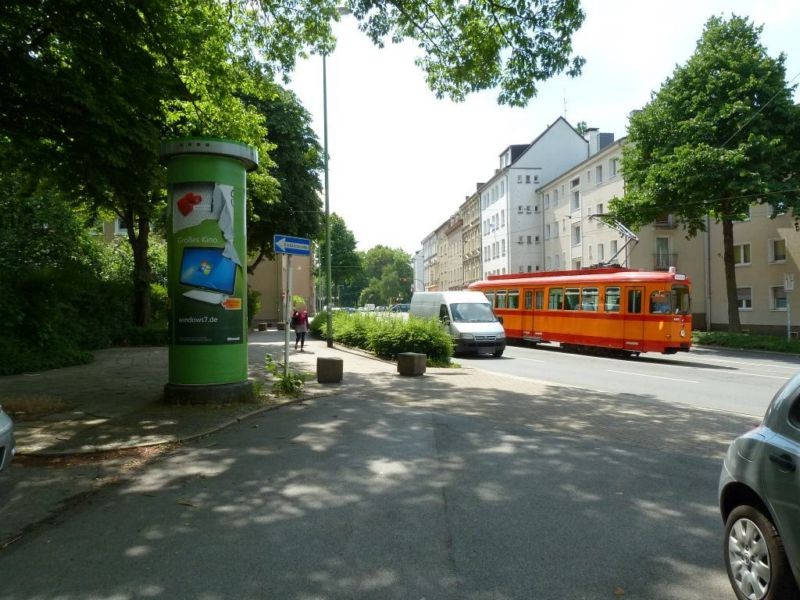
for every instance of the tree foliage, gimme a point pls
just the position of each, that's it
(345, 260)
(389, 274)
(721, 134)
(293, 206)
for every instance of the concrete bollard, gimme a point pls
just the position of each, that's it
(329, 370)
(411, 363)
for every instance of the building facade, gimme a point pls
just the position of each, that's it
(510, 220)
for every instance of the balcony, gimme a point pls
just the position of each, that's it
(662, 262)
(665, 221)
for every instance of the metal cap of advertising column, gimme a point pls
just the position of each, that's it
(207, 268)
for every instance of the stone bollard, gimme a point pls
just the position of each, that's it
(411, 363)
(329, 370)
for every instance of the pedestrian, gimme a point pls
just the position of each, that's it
(300, 325)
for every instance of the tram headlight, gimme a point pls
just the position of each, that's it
(683, 332)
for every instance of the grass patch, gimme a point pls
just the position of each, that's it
(746, 341)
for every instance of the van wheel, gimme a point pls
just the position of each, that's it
(498, 354)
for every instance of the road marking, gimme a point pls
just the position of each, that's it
(752, 364)
(651, 376)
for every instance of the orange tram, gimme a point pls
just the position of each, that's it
(625, 310)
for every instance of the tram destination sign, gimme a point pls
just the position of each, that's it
(285, 244)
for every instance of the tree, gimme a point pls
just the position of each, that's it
(721, 134)
(293, 207)
(90, 88)
(345, 260)
(390, 276)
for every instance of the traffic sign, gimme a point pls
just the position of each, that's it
(285, 244)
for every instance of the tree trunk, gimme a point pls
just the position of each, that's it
(139, 239)
(730, 276)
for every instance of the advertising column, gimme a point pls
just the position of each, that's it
(207, 268)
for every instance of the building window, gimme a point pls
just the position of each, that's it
(741, 254)
(612, 247)
(546, 201)
(557, 264)
(575, 182)
(536, 178)
(530, 239)
(555, 229)
(555, 197)
(613, 167)
(600, 252)
(547, 231)
(503, 218)
(504, 247)
(777, 250)
(502, 188)
(744, 298)
(777, 298)
(576, 235)
(119, 227)
(598, 174)
(576, 200)
(600, 223)
(527, 178)
(519, 178)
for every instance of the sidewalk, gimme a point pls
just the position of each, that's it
(114, 403)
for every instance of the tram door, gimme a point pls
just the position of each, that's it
(633, 323)
(527, 313)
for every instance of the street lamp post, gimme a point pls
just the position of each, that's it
(329, 316)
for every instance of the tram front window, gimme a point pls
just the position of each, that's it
(681, 300)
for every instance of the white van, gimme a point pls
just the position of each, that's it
(467, 315)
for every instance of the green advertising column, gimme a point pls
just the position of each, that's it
(207, 281)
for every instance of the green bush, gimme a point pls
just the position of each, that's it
(387, 337)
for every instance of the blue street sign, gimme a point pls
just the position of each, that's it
(285, 244)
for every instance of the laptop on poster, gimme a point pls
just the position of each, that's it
(212, 275)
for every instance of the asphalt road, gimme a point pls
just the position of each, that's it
(718, 379)
(484, 488)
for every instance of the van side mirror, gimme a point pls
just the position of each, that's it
(500, 319)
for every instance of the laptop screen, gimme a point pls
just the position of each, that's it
(206, 268)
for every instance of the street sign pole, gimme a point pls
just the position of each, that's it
(788, 283)
(287, 314)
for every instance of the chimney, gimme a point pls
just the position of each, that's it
(593, 133)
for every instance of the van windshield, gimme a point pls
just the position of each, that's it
(472, 312)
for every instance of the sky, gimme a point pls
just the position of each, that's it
(402, 161)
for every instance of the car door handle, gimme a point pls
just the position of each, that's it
(784, 461)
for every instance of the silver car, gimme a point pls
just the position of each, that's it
(6, 439)
(759, 497)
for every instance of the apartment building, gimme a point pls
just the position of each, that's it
(430, 260)
(767, 251)
(510, 220)
(452, 258)
(470, 212)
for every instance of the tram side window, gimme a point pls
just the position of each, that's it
(634, 301)
(500, 299)
(539, 299)
(612, 299)
(513, 298)
(555, 299)
(490, 297)
(528, 300)
(572, 299)
(589, 298)
(660, 303)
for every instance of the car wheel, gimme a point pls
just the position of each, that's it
(754, 557)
